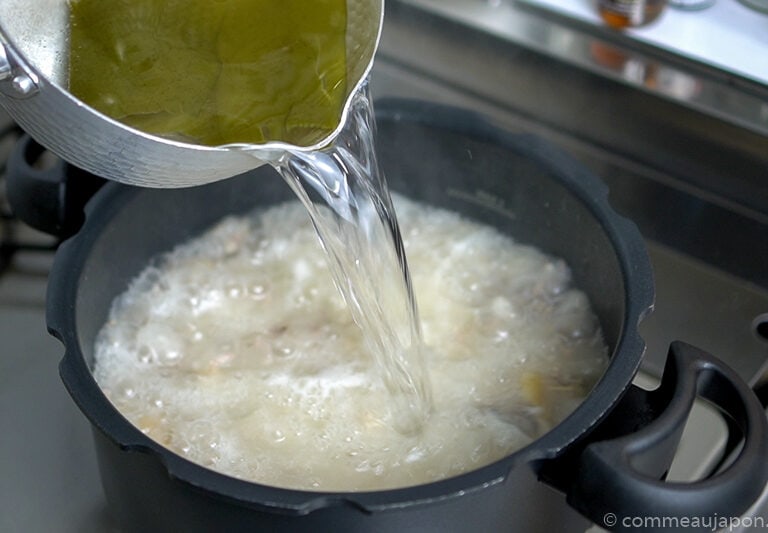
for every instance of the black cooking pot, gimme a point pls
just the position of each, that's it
(609, 457)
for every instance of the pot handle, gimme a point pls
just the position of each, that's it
(47, 194)
(618, 482)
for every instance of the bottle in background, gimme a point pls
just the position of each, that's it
(630, 13)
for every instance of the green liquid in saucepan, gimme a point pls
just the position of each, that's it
(213, 72)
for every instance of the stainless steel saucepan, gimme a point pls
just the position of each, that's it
(33, 89)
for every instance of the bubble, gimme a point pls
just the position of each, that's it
(144, 354)
(257, 291)
(234, 291)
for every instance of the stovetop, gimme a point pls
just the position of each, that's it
(704, 216)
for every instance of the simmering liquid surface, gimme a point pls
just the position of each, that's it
(237, 352)
(213, 72)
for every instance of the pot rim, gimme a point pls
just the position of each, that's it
(626, 357)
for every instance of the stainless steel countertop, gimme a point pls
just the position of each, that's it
(673, 58)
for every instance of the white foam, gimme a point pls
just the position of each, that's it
(237, 352)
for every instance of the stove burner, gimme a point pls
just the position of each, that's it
(12, 234)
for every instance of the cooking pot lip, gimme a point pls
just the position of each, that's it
(625, 360)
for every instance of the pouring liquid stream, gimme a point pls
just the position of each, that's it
(201, 74)
(361, 237)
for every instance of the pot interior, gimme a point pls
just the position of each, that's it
(443, 157)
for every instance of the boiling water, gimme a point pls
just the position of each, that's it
(237, 352)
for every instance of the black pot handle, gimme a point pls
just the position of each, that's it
(45, 192)
(618, 482)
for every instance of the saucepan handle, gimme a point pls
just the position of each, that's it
(45, 192)
(618, 482)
